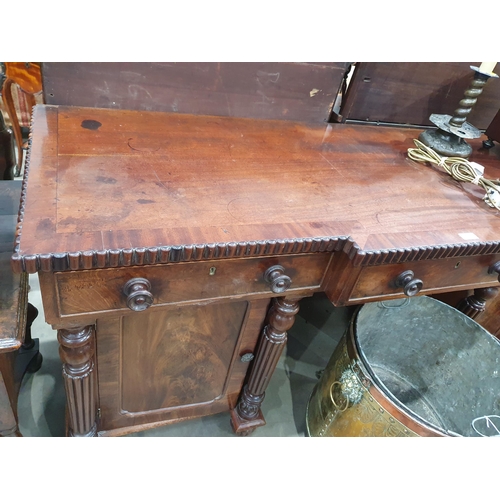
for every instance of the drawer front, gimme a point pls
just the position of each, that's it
(81, 292)
(437, 275)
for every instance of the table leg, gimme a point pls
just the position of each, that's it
(31, 345)
(77, 352)
(8, 420)
(475, 304)
(247, 415)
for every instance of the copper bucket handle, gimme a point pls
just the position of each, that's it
(333, 400)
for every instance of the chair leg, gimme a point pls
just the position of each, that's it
(16, 127)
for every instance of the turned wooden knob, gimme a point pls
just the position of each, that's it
(138, 292)
(495, 268)
(278, 281)
(410, 285)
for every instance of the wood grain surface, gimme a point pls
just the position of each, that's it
(127, 185)
(162, 366)
(177, 354)
(409, 92)
(102, 290)
(270, 90)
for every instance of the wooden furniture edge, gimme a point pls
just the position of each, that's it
(125, 257)
(13, 344)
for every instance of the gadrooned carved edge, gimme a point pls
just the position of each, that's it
(99, 259)
(22, 201)
(399, 255)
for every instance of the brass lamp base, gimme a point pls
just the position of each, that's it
(445, 144)
(449, 138)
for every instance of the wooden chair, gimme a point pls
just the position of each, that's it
(7, 153)
(21, 90)
(19, 352)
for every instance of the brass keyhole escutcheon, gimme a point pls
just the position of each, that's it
(211, 271)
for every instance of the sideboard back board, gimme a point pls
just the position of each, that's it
(408, 93)
(401, 93)
(282, 91)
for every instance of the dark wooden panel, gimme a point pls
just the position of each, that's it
(411, 92)
(493, 130)
(184, 354)
(163, 366)
(289, 91)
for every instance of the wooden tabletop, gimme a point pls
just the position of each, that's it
(108, 187)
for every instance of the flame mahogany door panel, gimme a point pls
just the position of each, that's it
(175, 363)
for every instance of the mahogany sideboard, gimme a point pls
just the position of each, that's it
(173, 250)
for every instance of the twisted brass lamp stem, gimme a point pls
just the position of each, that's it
(470, 98)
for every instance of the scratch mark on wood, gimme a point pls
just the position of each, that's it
(265, 99)
(134, 89)
(267, 77)
(332, 165)
(159, 181)
(148, 150)
(105, 90)
(218, 79)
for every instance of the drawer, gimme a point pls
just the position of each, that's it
(79, 292)
(442, 275)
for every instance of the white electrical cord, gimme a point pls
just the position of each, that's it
(460, 169)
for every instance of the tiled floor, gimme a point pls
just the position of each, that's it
(311, 341)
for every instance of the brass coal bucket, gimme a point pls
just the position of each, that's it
(411, 367)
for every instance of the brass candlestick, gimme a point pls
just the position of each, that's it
(449, 138)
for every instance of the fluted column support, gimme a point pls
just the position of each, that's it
(475, 304)
(247, 415)
(77, 350)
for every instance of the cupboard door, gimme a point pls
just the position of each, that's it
(163, 365)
